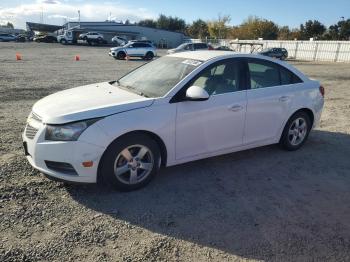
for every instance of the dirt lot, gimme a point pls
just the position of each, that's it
(259, 205)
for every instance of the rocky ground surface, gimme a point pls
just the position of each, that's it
(258, 205)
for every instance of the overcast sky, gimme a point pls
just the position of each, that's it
(291, 12)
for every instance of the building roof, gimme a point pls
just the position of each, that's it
(42, 27)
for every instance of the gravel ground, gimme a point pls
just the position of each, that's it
(258, 205)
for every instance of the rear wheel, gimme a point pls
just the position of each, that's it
(130, 162)
(149, 56)
(296, 131)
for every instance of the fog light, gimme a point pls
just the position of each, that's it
(88, 164)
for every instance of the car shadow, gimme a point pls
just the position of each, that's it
(265, 203)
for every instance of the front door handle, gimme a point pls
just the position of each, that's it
(283, 98)
(235, 108)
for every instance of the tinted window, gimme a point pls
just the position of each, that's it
(144, 45)
(136, 45)
(219, 79)
(288, 78)
(267, 74)
(200, 46)
(263, 74)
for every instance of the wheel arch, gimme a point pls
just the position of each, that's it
(308, 111)
(155, 137)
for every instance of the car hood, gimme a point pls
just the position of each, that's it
(116, 48)
(85, 102)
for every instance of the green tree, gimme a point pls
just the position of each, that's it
(8, 25)
(219, 28)
(312, 29)
(171, 23)
(339, 31)
(148, 23)
(254, 28)
(198, 29)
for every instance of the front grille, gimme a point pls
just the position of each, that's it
(61, 167)
(30, 131)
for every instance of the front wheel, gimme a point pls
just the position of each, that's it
(130, 162)
(121, 55)
(296, 131)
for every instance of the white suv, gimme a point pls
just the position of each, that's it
(134, 49)
(91, 36)
(119, 40)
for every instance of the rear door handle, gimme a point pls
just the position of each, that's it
(284, 98)
(235, 108)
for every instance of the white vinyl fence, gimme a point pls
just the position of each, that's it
(335, 51)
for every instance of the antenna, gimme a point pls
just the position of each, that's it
(42, 15)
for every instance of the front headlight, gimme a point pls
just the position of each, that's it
(68, 132)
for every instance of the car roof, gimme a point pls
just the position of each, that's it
(202, 55)
(207, 55)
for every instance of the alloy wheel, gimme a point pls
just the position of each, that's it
(133, 164)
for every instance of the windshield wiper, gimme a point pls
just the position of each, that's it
(133, 89)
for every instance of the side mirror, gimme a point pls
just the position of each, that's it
(196, 93)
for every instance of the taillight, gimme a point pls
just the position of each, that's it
(210, 47)
(322, 90)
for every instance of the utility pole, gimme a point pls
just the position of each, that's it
(79, 17)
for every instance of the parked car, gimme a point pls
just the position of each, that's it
(223, 48)
(91, 36)
(190, 47)
(45, 39)
(279, 53)
(142, 41)
(134, 49)
(119, 40)
(176, 109)
(21, 38)
(7, 38)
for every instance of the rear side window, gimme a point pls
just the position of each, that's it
(200, 46)
(288, 78)
(268, 74)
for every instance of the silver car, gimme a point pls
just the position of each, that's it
(134, 49)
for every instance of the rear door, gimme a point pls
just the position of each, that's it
(271, 93)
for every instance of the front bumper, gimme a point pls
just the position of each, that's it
(111, 53)
(71, 152)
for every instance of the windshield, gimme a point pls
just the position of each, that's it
(157, 78)
(182, 46)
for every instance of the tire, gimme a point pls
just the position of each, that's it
(296, 131)
(149, 56)
(63, 41)
(121, 55)
(122, 163)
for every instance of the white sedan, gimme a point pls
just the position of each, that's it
(176, 109)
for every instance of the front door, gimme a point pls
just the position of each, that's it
(215, 124)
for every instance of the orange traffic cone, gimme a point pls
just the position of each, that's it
(18, 56)
(77, 58)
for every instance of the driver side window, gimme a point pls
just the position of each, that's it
(219, 79)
